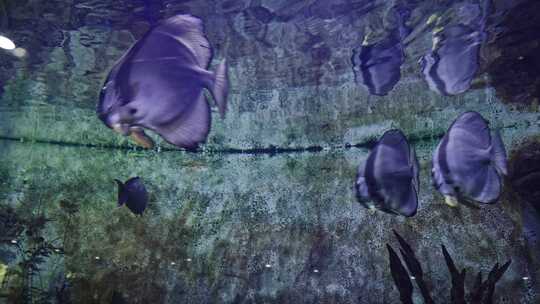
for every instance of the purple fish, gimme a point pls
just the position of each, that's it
(158, 85)
(378, 66)
(451, 65)
(133, 194)
(469, 163)
(388, 179)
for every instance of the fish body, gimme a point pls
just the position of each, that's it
(133, 194)
(378, 66)
(158, 84)
(388, 179)
(469, 163)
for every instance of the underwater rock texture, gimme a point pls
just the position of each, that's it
(216, 220)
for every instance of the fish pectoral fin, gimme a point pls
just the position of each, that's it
(142, 139)
(451, 201)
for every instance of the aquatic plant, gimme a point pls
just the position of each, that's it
(25, 235)
(481, 292)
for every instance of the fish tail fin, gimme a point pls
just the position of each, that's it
(122, 194)
(498, 153)
(220, 87)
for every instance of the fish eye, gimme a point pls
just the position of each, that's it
(132, 111)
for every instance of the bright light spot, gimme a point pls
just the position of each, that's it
(13, 241)
(19, 52)
(267, 265)
(413, 278)
(173, 263)
(6, 43)
(316, 270)
(188, 260)
(97, 258)
(57, 250)
(525, 278)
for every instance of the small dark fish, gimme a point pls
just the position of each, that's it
(451, 65)
(133, 194)
(388, 179)
(378, 66)
(158, 85)
(469, 163)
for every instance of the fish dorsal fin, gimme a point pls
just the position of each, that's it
(122, 193)
(189, 31)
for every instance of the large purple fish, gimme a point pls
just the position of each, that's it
(469, 163)
(388, 179)
(158, 85)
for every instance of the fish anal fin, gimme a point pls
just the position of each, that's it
(191, 128)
